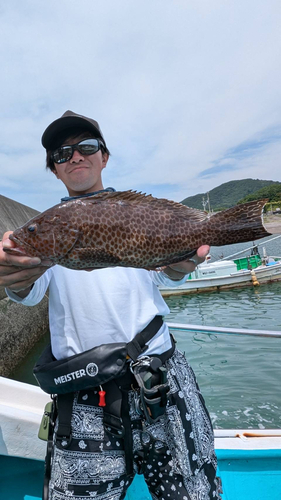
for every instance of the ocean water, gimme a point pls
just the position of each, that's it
(239, 376)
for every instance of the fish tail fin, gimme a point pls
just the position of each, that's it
(238, 224)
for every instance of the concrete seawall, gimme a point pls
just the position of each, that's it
(20, 326)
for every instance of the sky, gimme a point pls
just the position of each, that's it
(187, 92)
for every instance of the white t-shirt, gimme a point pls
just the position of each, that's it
(103, 306)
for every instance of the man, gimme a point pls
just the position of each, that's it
(171, 442)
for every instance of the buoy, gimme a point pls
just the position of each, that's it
(254, 278)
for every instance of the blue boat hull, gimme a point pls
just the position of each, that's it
(246, 475)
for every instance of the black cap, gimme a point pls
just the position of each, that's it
(69, 120)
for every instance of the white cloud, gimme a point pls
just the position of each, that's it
(175, 85)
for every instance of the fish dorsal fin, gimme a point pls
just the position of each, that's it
(137, 198)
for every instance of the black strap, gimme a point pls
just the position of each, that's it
(112, 410)
(138, 345)
(47, 475)
(49, 450)
(128, 435)
(65, 404)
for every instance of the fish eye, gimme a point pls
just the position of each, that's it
(32, 228)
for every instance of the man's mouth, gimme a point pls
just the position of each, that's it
(80, 167)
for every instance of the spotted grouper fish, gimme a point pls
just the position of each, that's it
(133, 230)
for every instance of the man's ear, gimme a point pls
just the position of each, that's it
(105, 157)
(55, 172)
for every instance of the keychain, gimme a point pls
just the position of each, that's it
(102, 394)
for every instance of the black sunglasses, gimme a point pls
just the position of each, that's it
(86, 147)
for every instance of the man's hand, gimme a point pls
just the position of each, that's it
(18, 272)
(179, 270)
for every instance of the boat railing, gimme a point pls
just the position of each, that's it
(222, 330)
(249, 248)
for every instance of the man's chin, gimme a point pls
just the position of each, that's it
(79, 190)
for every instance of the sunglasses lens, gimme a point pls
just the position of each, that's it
(86, 147)
(62, 154)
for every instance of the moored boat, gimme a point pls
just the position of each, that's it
(226, 274)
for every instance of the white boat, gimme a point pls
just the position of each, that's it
(249, 461)
(226, 274)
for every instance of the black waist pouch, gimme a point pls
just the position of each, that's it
(91, 368)
(94, 367)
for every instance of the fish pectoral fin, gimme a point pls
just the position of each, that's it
(65, 240)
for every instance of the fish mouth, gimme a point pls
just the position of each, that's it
(21, 247)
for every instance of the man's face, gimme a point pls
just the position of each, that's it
(81, 174)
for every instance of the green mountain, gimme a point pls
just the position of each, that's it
(272, 192)
(228, 194)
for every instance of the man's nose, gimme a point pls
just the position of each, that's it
(76, 157)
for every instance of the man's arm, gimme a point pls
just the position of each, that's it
(18, 273)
